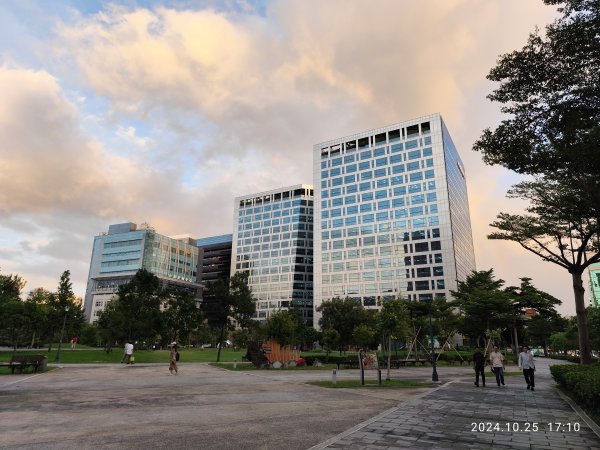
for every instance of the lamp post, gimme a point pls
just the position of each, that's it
(434, 375)
(62, 334)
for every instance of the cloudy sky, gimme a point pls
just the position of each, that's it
(163, 112)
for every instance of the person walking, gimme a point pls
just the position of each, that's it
(174, 356)
(497, 363)
(128, 353)
(526, 363)
(479, 366)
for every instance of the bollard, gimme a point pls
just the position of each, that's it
(235, 363)
(334, 376)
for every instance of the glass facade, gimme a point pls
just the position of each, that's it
(273, 243)
(391, 214)
(594, 271)
(120, 253)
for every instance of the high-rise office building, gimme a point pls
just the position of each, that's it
(214, 254)
(119, 253)
(273, 242)
(391, 214)
(594, 271)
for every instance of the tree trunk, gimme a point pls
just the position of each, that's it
(516, 341)
(389, 359)
(33, 339)
(582, 325)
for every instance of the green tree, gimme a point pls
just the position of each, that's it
(332, 340)
(363, 336)
(13, 326)
(550, 92)
(392, 323)
(283, 327)
(135, 312)
(541, 326)
(342, 315)
(482, 305)
(525, 296)
(181, 316)
(233, 300)
(36, 311)
(593, 314)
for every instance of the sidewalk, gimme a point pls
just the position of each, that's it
(459, 415)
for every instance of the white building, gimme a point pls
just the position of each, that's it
(391, 215)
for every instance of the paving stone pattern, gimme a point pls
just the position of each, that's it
(459, 415)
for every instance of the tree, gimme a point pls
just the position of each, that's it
(392, 323)
(12, 310)
(135, 314)
(539, 329)
(232, 300)
(363, 336)
(482, 304)
(528, 296)
(181, 315)
(550, 91)
(342, 316)
(331, 339)
(283, 327)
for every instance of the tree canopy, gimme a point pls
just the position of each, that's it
(550, 93)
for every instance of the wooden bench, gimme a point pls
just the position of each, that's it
(21, 362)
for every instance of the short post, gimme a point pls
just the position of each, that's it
(235, 363)
(379, 376)
(334, 376)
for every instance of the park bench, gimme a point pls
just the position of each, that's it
(21, 362)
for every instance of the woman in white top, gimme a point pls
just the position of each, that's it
(497, 363)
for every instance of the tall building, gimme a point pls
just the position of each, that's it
(273, 242)
(391, 214)
(214, 254)
(594, 271)
(119, 253)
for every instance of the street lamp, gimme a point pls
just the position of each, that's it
(434, 375)
(62, 334)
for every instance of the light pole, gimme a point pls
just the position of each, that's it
(62, 334)
(434, 375)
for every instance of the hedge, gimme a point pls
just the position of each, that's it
(582, 382)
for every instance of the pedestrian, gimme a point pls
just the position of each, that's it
(128, 353)
(173, 358)
(497, 363)
(479, 366)
(526, 363)
(73, 343)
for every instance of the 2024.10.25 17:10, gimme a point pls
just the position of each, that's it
(511, 427)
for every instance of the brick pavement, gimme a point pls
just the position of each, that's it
(459, 415)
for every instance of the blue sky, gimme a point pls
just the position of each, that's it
(150, 111)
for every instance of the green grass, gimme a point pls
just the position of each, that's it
(371, 383)
(95, 356)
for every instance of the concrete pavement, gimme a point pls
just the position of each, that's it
(141, 406)
(459, 415)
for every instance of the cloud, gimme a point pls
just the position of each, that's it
(177, 111)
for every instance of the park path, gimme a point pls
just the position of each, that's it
(459, 415)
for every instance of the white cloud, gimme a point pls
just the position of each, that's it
(204, 105)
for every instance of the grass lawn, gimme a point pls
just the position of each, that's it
(371, 384)
(95, 356)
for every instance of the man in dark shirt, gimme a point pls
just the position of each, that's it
(479, 366)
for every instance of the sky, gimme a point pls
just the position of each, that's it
(162, 112)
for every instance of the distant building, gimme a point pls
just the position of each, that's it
(273, 243)
(594, 271)
(391, 214)
(119, 253)
(214, 254)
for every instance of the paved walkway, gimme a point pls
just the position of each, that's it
(459, 415)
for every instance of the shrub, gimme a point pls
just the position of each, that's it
(583, 382)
